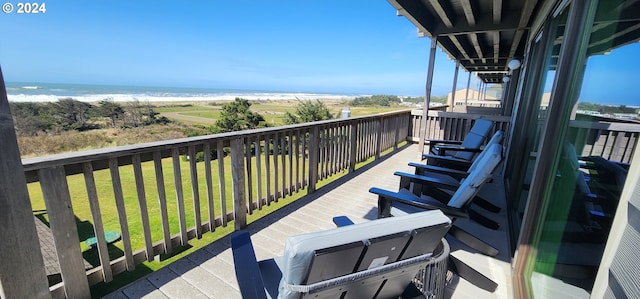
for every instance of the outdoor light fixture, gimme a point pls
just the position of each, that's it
(506, 79)
(514, 64)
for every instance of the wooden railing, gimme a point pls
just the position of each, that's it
(149, 186)
(612, 141)
(453, 125)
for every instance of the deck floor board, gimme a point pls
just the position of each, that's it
(209, 272)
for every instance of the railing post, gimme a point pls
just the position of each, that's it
(22, 272)
(65, 232)
(314, 145)
(353, 144)
(237, 176)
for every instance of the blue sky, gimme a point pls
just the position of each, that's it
(339, 46)
(319, 46)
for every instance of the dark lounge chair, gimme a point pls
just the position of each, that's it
(392, 203)
(376, 259)
(454, 176)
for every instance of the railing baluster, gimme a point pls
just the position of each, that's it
(222, 183)
(268, 156)
(259, 177)
(162, 202)
(122, 213)
(98, 227)
(55, 190)
(249, 174)
(291, 169)
(195, 190)
(209, 182)
(297, 185)
(177, 179)
(276, 151)
(142, 203)
(305, 158)
(283, 139)
(379, 132)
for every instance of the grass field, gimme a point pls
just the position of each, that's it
(273, 111)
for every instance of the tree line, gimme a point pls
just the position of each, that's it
(68, 114)
(605, 109)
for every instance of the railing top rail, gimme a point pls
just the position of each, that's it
(436, 113)
(602, 125)
(32, 164)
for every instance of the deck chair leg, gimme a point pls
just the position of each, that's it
(483, 220)
(485, 204)
(471, 275)
(473, 242)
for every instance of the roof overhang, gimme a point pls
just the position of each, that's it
(481, 35)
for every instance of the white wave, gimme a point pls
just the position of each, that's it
(33, 87)
(182, 98)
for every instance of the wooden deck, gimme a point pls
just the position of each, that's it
(209, 272)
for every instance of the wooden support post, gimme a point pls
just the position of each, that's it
(237, 176)
(22, 272)
(466, 97)
(452, 101)
(427, 96)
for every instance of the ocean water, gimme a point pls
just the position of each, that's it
(47, 92)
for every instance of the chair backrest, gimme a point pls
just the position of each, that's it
(332, 259)
(475, 138)
(495, 139)
(482, 172)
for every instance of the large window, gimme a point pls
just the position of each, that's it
(575, 163)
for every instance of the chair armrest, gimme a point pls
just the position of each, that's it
(459, 148)
(385, 197)
(440, 141)
(246, 266)
(421, 169)
(342, 221)
(449, 162)
(424, 180)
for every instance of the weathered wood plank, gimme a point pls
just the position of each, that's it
(98, 227)
(290, 187)
(177, 180)
(283, 139)
(209, 182)
(222, 182)
(268, 155)
(249, 173)
(259, 177)
(122, 213)
(237, 174)
(142, 204)
(65, 233)
(162, 201)
(195, 190)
